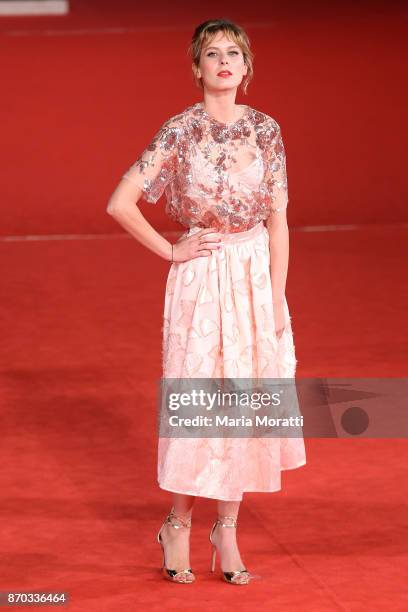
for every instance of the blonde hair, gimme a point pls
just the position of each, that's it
(206, 31)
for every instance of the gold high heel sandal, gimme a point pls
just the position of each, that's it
(237, 577)
(184, 576)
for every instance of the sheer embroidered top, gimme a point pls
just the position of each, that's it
(225, 176)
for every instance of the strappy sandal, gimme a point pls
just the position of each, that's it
(234, 577)
(184, 576)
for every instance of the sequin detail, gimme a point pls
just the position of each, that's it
(225, 176)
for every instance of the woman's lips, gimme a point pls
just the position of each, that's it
(224, 74)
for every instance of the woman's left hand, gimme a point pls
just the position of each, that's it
(279, 318)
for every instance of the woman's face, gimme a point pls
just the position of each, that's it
(222, 64)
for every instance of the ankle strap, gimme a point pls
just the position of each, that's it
(174, 519)
(222, 523)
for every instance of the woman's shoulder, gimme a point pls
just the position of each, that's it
(171, 131)
(263, 120)
(180, 120)
(268, 130)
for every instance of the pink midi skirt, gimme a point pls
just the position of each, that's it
(218, 322)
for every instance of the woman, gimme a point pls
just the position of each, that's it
(222, 167)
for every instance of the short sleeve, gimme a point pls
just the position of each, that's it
(275, 179)
(157, 165)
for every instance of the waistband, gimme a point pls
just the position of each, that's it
(233, 237)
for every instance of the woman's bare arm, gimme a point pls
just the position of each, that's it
(122, 206)
(277, 226)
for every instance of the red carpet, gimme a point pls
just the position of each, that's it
(80, 357)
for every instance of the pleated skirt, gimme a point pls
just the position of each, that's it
(218, 322)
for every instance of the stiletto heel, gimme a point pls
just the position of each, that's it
(230, 577)
(185, 576)
(214, 554)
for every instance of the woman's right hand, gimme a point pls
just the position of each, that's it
(199, 244)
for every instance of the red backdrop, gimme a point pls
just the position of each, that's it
(79, 107)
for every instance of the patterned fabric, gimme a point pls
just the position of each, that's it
(225, 176)
(218, 322)
(218, 318)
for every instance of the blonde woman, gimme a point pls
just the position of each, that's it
(222, 167)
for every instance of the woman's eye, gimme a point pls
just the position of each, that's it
(212, 53)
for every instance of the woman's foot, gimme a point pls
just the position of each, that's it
(175, 539)
(225, 541)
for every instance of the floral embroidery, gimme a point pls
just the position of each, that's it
(226, 176)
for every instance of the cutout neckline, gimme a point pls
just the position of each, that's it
(257, 158)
